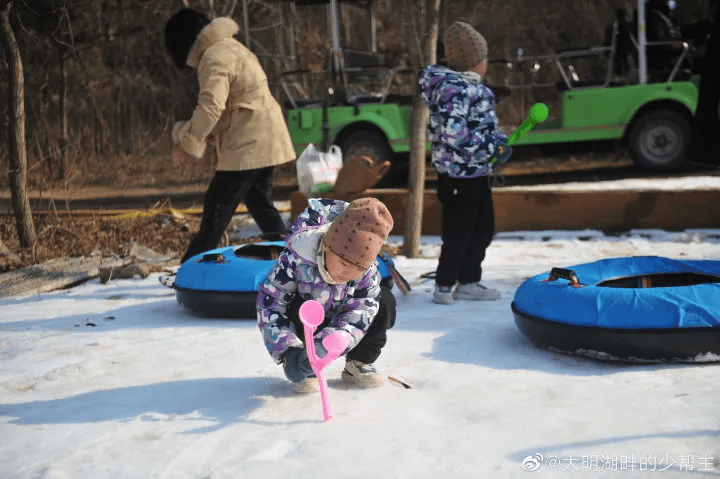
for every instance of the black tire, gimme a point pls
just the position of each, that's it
(659, 140)
(374, 145)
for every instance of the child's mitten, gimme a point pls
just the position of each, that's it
(296, 365)
(503, 153)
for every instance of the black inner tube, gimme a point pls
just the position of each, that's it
(659, 280)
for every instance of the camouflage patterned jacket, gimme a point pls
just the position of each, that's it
(463, 126)
(350, 306)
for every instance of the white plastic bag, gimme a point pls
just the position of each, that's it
(317, 171)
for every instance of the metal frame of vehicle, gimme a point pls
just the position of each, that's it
(653, 119)
(370, 121)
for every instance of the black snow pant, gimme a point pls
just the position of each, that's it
(368, 349)
(227, 189)
(468, 227)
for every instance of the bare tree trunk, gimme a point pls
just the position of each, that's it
(246, 23)
(293, 32)
(118, 126)
(18, 154)
(229, 9)
(418, 124)
(42, 141)
(64, 137)
(210, 6)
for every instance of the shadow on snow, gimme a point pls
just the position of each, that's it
(222, 401)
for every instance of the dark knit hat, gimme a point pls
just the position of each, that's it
(464, 47)
(181, 31)
(357, 234)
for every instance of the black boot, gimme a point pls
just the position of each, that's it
(212, 227)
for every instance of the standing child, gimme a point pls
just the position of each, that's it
(236, 110)
(463, 130)
(330, 257)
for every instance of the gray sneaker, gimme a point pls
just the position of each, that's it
(443, 295)
(476, 292)
(361, 374)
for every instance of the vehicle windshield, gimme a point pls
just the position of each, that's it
(356, 26)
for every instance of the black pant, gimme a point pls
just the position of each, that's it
(368, 349)
(222, 197)
(468, 227)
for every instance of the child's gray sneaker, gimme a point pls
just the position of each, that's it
(476, 292)
(443, 295)
(361, 374)
(306, 386)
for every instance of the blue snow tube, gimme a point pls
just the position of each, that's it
(224, 282)
(643, 308)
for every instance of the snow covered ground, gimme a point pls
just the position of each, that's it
(117, 381)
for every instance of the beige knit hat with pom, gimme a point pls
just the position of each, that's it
(464, 47)
(357, 234)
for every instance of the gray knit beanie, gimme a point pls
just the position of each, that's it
(464, 47)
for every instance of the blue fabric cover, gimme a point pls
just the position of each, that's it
(625, 308)
(234, 273)
(384, 267)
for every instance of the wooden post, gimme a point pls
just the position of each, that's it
(418, 125)
(416, 187)
(18, 153)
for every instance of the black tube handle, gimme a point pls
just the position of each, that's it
(563, 273)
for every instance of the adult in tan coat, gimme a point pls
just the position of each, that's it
(236, 115)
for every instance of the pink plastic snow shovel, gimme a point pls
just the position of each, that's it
(312, 315)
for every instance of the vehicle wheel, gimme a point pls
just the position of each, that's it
(659, 140)
(374, 145)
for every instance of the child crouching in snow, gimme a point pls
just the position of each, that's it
(330, 257)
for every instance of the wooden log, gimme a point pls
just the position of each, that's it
(538, 210)
(54, 274)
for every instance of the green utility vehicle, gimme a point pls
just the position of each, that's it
(643, 98)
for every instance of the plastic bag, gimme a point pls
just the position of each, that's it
(317, 171)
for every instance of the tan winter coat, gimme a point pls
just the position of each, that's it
(235, 106)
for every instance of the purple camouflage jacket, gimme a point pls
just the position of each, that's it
(350, 306)
(463, 126)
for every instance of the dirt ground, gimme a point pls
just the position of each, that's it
(62, 232)
(68, 235)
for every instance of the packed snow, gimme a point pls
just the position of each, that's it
(117, 380)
